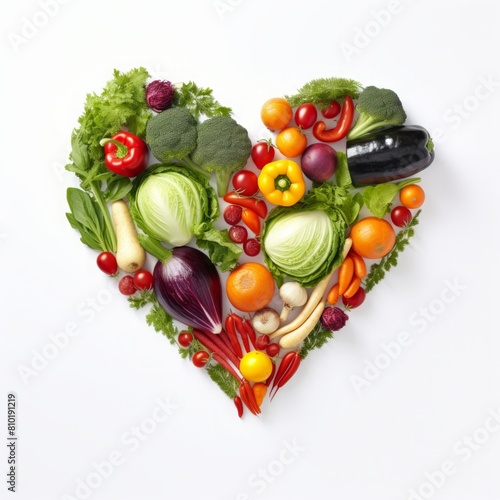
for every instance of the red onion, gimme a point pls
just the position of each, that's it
(188, 287)
(159, 95)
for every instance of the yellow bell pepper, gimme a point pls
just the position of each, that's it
(282, 183)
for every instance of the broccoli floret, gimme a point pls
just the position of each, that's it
(171, 134)
(223, 146)
(377, 108)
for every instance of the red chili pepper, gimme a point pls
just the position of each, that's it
(125, 154)
(225, 338)
(288, 366)
(213, 343)
(258, 206)
(231, 331)
(343, 125)
(247, 325)
(270, 379)
(251, 219)
(238, 322)
(225, 364)
(248, 397)
(239, 405)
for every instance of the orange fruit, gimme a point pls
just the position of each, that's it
(250, 287)
(372, 237)
(291, 142)
(276, 113)
(412, 196)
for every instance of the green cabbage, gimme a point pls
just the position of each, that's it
(174, 205)
(171, 205)
(304, 242)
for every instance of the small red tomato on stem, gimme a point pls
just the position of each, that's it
(143, 280)
(106, 262)
(400, 216)
(306, 115)
(332, 111)
(263, 153)
(200, 358)
(273, 349)
(261, 342)
(251, 247)
(356, 300)
(185, 338)
(245, 183)
(126, 285)
(238, 234)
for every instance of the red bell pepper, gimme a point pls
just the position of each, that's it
(125, 154)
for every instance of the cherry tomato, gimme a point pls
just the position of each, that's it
(238, 234)
(232, 214)
(273, 349)
(126, 285)
(400, 216)
(185, 338)
(356, 300)
(412, 196)
(143, 280)
(256, 366)
(332, 111)
(106, 262)
(200, 358)
(245, 183)
(263, 153)
(261, 342)
(306, 115)
(251, 247)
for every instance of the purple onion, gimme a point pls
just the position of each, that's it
(333, 318)
(159, 95)
(188, 287)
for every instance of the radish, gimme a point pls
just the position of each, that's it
(130, 255)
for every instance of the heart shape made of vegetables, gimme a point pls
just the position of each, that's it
(302, 224)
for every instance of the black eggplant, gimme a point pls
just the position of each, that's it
(389, 154)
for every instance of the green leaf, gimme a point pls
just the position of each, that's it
(322, 91)
(199, 101)
(377, 271)
(83, 209)
(117, 188)
(316, 339)
(221, 250)
(378, 198)
(162, 322)
(342, 175)
(228, 384)
(86, 236)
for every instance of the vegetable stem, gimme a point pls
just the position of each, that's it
(96, 191)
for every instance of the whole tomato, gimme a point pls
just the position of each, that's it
(245, 183)
(263, 153)
(306, 115)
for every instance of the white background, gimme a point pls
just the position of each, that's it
(379, 443)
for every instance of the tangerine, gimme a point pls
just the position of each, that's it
(250, 287)
(276, 113)
(372, 237)
(412, 196)
(291, 142)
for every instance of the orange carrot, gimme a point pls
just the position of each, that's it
(359, 264)
(259, 390)
(353, 287)
(333, 294)
(346, 271)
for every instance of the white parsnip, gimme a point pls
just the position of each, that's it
(314, 299)
(130, 255)
(295, 337)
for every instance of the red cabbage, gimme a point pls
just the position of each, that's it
(188, 287)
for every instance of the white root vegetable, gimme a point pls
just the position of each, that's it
(292, 294)
(266, 321)
(313, 301)
(295, 337)
(130, 255)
